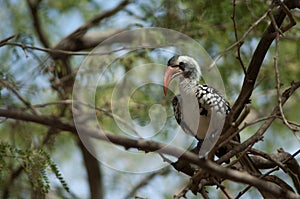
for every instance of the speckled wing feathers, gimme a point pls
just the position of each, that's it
(209, 99)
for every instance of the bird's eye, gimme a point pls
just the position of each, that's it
(181, 65)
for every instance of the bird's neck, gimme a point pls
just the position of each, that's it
(187, 86)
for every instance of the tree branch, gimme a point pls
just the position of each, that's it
(79, 39)
(51, 121)
(93, 172)
(207, 165)
(259, 133)
(15, 92)
(33, 6)
(3, 41)
(151, 146)
(256, 62)
(146, 181)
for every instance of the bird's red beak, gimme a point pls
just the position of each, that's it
(170, 74)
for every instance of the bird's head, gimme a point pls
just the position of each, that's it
(181, 66)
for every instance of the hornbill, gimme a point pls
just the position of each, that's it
(211, 109)
(209, 106)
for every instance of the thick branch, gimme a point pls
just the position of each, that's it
(264, 163)
(93, 172)
(33, 6)
(87, 40)
(151, 146)
(50, 121)
(209, 166)
(257, 59)
(79, 39)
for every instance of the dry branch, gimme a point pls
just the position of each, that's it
(50, 121)
(146, 181)
(33, 6)
(259, 133)
(256, 61)
(151, 146)
(16, 93)
(79, 39)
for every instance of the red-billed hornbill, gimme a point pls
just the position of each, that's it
(210, 103)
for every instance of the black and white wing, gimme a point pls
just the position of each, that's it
(213, 109)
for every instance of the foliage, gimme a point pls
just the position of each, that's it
(35, 163)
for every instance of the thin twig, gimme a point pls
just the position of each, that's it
(232, 135)
(15, 92)
(106, 112)
(74, 38)
(222, 188)
(268, 157)
(256, 63)
(183, 192)
(278, 84)
(146, 181)
(270, 14)
(242, 39)
(3, 41)
(66, 52)
(290, 16)
(246, 124)
(204, 194)
(259, 133)
(33, 6)
(113, 116)
(97, 19)
(242, 117)
(239, 58)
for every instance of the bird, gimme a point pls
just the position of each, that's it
(209, 106)
(199, 109)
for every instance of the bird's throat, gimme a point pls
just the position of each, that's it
(187, 86)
